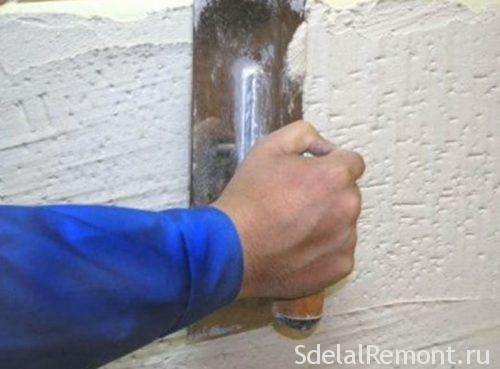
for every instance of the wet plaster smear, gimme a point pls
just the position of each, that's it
(94, 108)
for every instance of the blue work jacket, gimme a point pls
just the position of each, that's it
(83, 285)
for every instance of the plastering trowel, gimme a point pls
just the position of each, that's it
(242, 91)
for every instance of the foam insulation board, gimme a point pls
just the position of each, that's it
(96, 110)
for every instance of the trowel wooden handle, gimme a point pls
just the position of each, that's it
(301, 314)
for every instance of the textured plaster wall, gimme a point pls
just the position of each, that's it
(97, 110)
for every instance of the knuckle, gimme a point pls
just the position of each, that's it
(354, 241)
(360, 160)
(353, 161)
(353, 206)
(341, 176)
(306, 126)
(351, 245)
(347, 266)
(309, 131)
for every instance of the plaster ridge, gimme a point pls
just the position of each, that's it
(117, 10)
(90, 51)
(476, 6)
(39, 18)
(376, 18)
(432, 301)
(50, 37)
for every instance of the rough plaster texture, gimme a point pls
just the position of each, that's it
(94, 110)
(119, 10)
(412, 85)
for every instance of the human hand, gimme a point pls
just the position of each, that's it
(296, 215)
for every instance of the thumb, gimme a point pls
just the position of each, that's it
(298, 138)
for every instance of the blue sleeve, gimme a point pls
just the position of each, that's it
(82, 285)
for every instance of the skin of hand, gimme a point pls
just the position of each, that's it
(296, 215)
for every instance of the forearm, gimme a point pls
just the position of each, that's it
(96, 282)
